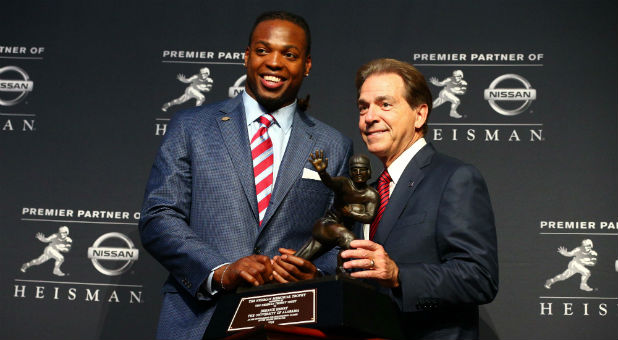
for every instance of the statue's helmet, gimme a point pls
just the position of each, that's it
(360, 161)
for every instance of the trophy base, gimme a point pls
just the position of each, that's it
(337, 305)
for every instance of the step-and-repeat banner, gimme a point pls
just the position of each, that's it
(525, 90)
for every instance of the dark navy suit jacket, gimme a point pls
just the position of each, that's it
(200, 206)
(439, 228)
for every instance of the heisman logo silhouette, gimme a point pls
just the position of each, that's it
(583, 256)
(59, 242)
(453, 86)
(198, 83)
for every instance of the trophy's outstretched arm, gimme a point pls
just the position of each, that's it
(320, 164)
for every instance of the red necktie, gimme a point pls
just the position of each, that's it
(262, 154)
(383, 190)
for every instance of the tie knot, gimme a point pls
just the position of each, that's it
(385, 177)
(266, 119)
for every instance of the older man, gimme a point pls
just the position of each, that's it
(432, 246)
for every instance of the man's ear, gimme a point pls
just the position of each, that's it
(307, 65)
(420, 115)
(246, 55)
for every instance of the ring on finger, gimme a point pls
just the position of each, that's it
(372, 264)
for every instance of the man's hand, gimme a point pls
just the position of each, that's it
(373, 258)
(319, 162)
(254, 270)
(290, 268)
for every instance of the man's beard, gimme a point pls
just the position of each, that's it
(272, 104)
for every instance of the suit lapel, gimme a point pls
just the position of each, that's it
(296, 155)
(409, 180)
(236, 138)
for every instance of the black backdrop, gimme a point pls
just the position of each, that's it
(81, 90)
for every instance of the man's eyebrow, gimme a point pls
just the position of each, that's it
(377, 99)
(383, 98)
(262, 42)
(291, 46)
(286, 47)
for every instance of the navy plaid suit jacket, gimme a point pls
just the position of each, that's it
(200, 206)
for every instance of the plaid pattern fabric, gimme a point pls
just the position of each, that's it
(200, 208)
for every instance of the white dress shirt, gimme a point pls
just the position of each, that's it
(396, 170)
(279, 133)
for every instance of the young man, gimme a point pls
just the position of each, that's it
(229, 185)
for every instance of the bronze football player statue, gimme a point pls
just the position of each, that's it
(354, 201)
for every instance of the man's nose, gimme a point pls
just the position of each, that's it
(371, 115)
(274, 60)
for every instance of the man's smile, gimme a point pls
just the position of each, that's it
(375, 133)
(271, 81)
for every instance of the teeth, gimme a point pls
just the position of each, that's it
(272, 79)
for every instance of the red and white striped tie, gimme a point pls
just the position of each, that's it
(384, 191)
(262, 154)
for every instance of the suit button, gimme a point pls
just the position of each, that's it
(257, 250)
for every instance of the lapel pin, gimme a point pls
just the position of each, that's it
(411, 184)
(225, 119)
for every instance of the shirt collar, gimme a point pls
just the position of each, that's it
(253, 110)
(399, 165)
